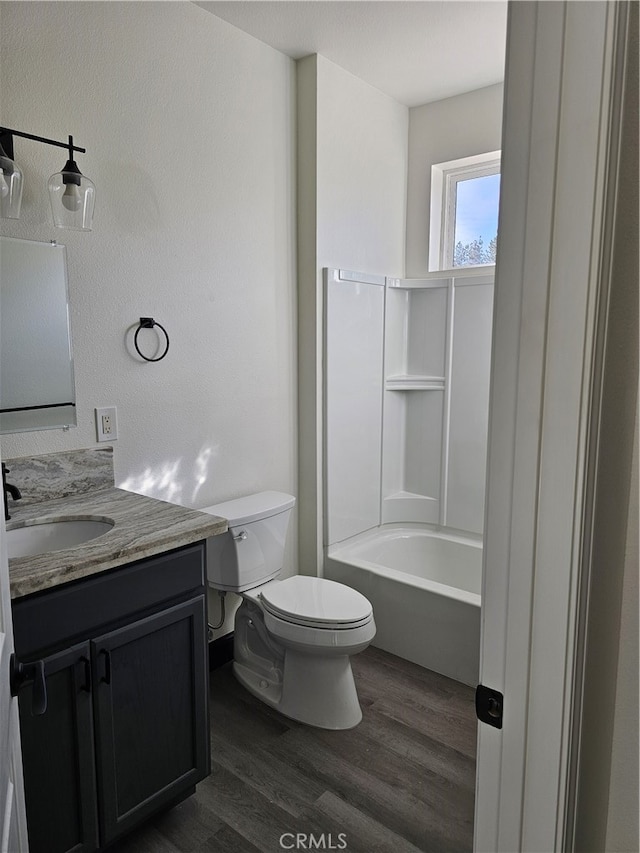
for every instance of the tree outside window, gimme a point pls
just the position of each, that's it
(465, 198)
(476, 221)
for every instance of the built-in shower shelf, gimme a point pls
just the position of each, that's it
(409, 506)
(414, 382)
(403, 496)
(418, 283)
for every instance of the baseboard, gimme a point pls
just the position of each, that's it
(221, 651)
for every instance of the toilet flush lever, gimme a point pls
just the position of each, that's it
(241, 536)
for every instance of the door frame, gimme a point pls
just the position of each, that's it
(13, 816)
(563, 85)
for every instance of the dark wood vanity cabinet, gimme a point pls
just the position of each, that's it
(58, 757)
(126, 728)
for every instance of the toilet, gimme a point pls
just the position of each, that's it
(293, 638)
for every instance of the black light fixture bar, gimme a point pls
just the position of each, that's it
(7, 134)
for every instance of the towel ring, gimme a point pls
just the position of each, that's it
(149, 323)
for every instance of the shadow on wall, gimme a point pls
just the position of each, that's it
(128, 180)
(168, 482)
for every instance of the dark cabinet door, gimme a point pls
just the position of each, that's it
(151, 714)
(58, 758)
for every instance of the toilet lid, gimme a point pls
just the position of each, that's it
(315, 601)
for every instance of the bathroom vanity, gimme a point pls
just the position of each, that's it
(112, 634)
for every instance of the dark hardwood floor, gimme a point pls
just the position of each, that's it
(400, 782)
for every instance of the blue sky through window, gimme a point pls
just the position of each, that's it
(477, 209)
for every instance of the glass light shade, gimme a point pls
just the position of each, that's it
(11, 183)
(72, 198)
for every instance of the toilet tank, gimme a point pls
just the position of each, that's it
(251, 552)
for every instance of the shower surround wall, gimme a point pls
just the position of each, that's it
(406, 399)
(406, 411)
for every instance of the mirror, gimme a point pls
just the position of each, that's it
(37, 389)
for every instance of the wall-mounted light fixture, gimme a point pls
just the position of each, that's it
(72, 195)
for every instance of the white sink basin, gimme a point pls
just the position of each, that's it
(49, 535)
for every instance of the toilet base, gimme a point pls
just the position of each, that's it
(315, 689)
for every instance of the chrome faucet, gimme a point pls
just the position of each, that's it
(14, 491)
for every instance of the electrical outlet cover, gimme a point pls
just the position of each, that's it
(106, 424)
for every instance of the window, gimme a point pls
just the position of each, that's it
(464, 211)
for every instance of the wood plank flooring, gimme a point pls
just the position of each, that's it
(400, 782)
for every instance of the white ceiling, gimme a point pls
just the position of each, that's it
(414, 50)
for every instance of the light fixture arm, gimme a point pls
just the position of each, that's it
(7, 134)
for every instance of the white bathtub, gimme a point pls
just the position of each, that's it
(424, 586)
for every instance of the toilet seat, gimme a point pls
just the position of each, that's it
(316, 603)
(345, 639)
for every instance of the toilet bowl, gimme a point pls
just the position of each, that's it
(293, 638)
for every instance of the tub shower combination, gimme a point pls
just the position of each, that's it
(406, 405)
(425, 590)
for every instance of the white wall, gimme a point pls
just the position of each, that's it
(352, 208)
(309, 311)
(362, 174)
(189, 129)
(444, 130)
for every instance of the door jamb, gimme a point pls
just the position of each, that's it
(558, 159)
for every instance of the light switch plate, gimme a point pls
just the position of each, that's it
(106, 424)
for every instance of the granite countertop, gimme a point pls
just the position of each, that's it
(142, 527)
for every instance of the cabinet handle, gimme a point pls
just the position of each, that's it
(86, 664)
(106, 678)
(20, 674)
